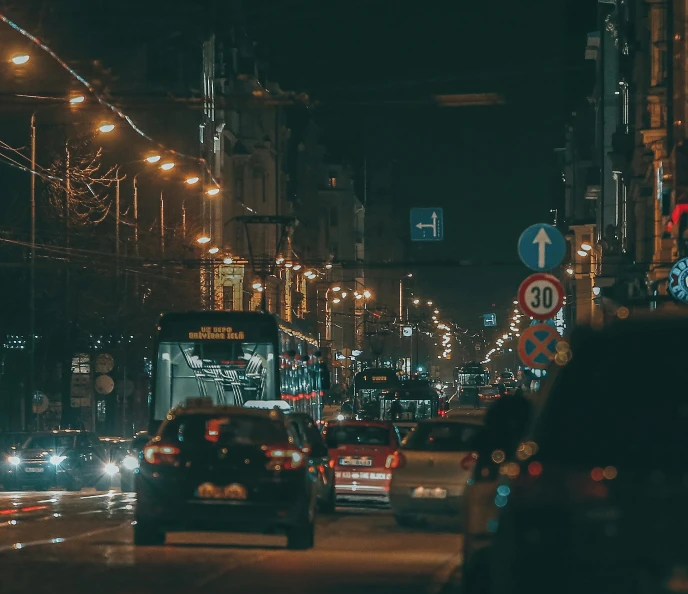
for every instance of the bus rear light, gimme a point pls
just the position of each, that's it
(395, 460)
(161, 454)
(286, 458)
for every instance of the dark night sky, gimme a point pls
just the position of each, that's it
(492, 169)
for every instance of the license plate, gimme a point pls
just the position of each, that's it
(426, 493)
(34, 469)
(355, 462)
(210, 491)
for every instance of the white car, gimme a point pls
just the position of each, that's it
(431, 469)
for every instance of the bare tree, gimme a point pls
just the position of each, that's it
(78, 187)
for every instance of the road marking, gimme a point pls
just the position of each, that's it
(17, 546)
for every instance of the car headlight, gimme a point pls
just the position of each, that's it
(340, 417)
(57, 460)
(14, 460)
(130, 462)
(111, 469)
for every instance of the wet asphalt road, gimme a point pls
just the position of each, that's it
(55, 541)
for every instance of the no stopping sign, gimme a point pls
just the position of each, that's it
(541, 296)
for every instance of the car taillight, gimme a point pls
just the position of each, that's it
(469, 462)
(286, 458)
(395, 460)
(161, 454)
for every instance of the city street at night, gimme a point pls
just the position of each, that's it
(83, 542)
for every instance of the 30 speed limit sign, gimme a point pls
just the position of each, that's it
(541, 296)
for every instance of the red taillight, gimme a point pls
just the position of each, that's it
(469, 462)
(395, 460)
(161, 454)
(331, 463)
(285, 458)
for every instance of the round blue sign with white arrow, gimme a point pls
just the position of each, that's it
(541, 247)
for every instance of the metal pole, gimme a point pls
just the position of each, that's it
(117, 221)
(184, 219)
(32, 285)
(67, 368)
(136, 217)
(162, 225)
(328, 317)
(401, 306)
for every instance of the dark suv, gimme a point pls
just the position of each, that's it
(227, 469)
(70, 459)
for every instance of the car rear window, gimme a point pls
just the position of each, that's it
(226, 430)
(614, 403)
(338, 435)
(441, 437)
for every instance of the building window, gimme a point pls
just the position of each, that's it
(228, 298)
(334, 216)
(332, 181)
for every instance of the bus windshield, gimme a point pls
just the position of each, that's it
(230, 372)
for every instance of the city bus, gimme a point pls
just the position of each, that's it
(232, 358)
(368, 385)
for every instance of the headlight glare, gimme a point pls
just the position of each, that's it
(130, 462)
(57, 460)
(111, 469)
(14, 460)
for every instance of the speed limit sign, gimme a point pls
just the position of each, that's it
(541, 296)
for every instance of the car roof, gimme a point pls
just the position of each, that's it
(353, 422)
(228, 410)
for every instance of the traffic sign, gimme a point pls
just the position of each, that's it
(541, 296)
(541, 247)
(538, 345)
(678, 281)
(490, 320)
(427, 224)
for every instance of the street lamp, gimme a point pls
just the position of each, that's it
(367, 294)
(153, 158)
(203, 239)
(586, 246)
(106, 128)
(213, 250)
(20, 59)
(192, 180)
(77, 99)
(213, 191)
(582, 253)
(336, 288)
(167, 166)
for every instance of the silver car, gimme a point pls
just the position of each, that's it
(431, 469)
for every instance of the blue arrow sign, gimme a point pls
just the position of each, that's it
(541, 247)
(427, 224)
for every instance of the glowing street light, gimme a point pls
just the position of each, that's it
(336, 288)
(586, 246)
(569, 271)
(416, 301)
(328, 266)
(153, 158)
(106, 128)
(344, 294)
(213, 250)
(20, 59)
(192, 180)
(429, 302)
(213, 191)
(336, 300)
(167, 166)
(228, 260)
(77, 99)
(203, 239)
(367, 294)
(582, 253)
(297, 267)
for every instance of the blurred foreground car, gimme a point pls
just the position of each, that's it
(430, 470)
(598, 489)
(226, 469)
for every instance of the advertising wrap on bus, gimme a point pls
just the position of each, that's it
(232, 358)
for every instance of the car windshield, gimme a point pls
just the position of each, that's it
(229, 372)
(629, 416)
(49, 442)
(225, 429)
(441, 437)
(339, 435)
